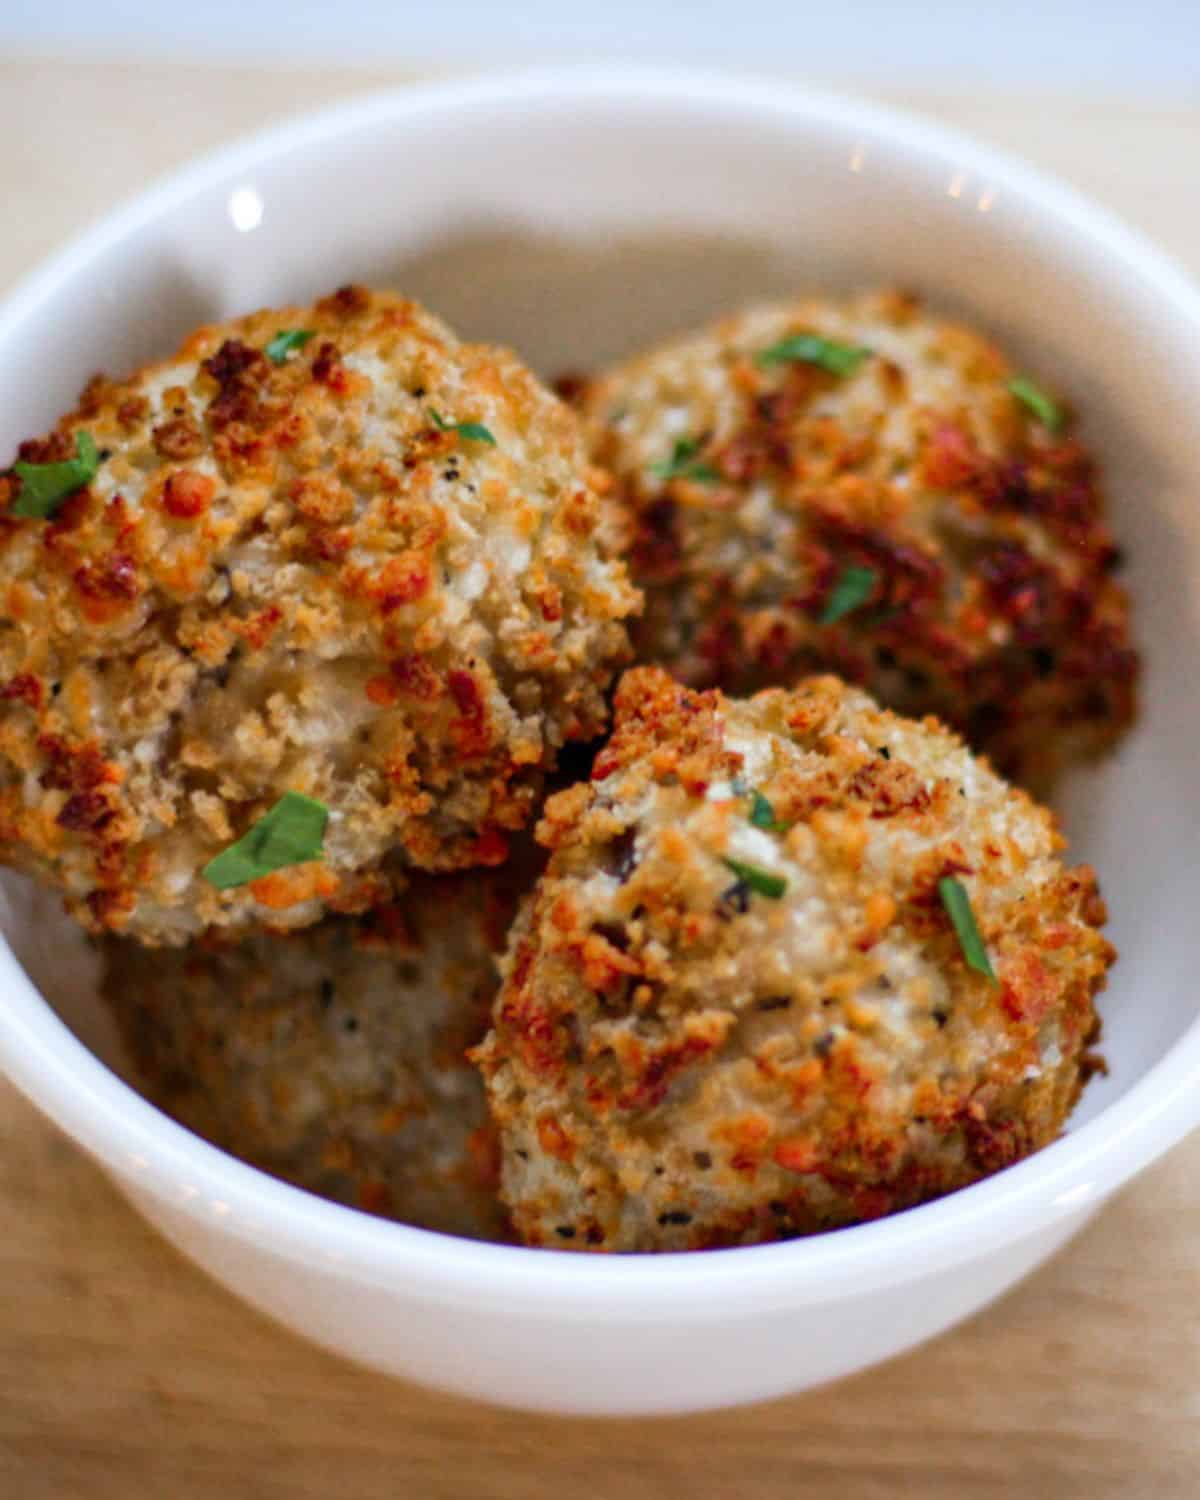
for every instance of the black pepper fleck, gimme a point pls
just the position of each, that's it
(622, 855)
(1044, 660)
(737, 896)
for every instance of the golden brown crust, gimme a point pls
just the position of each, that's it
(289, 576)
(685, 1054)
(993, 603)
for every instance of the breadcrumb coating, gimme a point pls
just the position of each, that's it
(735, 1007)
(370, 567)
(335, 1057)
(980, 533)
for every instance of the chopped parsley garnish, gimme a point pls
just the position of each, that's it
(285, 341)
(762, 881)
(1034, 399)
(471, 432)
(683, 464)
(850, 592)
(958, 908)
(44, 487)
(812, 349)
(762, 814)
(290, 834)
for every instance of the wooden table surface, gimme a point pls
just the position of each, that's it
(125, 1373)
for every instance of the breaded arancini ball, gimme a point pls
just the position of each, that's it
(328, 554)
(335, 1057)
(854, 485)
(741, 1004)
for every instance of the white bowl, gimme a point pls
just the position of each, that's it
(577, 214)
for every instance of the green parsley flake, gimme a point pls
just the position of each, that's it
(285, 341)
(958, 908)
(762, 814)
(683, 464)
(762, 881)
(44, 487)
(812, 349)
(291, 833)
(471, 432)
(850, 592)
(1031, 396)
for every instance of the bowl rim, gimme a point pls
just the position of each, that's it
(154, 1155)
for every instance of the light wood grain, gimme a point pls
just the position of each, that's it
(124, 1373)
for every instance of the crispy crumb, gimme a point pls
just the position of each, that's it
(335, 1057)
(789, 1006)
(992, 601)
(287, 577)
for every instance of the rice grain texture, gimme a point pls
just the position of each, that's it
(367, 565)
(735, 1006)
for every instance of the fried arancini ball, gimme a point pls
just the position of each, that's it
(334, 1057)
(853, 486)
(737, 1006)
(328, 551)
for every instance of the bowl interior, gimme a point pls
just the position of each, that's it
(577, 229)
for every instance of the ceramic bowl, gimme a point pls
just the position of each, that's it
(577, 214)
